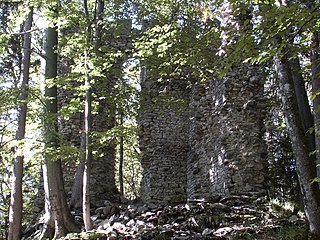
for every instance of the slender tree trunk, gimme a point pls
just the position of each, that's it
(312, 7)
(315, 72)
(58, 220)
(88, 128)
(304, 161)
(88, 159)
(78, 194)
(15, 212)
(303, 102)
(121, 158)
(100, 9)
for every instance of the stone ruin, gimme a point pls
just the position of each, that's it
(203, 140)
(198, 140)
(103, 167)
(102, 178)
(207, 142)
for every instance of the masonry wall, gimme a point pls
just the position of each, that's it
(227, 152)
(206, 172)
(214, 147)
(103, 165)
(164, 141)
(102, 179)
(244, 111)
(70, 130)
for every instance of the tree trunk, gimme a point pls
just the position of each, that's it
(304, 161)
(88, 159)
(303, 102)
(58, 220)
(121, 158)
(88, 128)
(315, 72)
(79, 187)
(15, 212)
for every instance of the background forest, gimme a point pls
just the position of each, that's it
(70, 92)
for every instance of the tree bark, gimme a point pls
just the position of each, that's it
(16, 203)
(88, 159)
(58, 220)
(303, 102)
(88, 128)
(315, 72)
(305, 162)
(121, 158)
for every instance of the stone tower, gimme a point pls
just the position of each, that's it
(164, 140)
(103, 167)
(102, 177)
(227, 152)
(214, 146)
(210, 144)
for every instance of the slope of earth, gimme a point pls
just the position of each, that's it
(234, 217)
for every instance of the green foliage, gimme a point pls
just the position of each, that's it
(283, 207)
(286, 209)
(277, 28)
(291, 232)
(316, 180)
(179, 42)
(5, 188)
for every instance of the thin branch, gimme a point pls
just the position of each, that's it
(304, 24)
(24, 32)
(300, 29)
(85, 5)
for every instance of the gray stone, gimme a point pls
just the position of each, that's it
(113, 235)
(293, 218)
(118, 226)
(105, 224)
(222, 231)
(212, 147)
(141, 225)
(131, 223)
(100, 210)
(219, 206)
(207, 232)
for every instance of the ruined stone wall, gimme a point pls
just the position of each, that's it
(102, 178)
(70, 129)
(103, 168)
(227, 153)
(215, 147)
(244, 112)
(207, 174)
(164, 141)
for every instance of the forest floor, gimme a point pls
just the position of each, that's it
(234, 217)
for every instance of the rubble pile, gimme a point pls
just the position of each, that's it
(233, 217)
